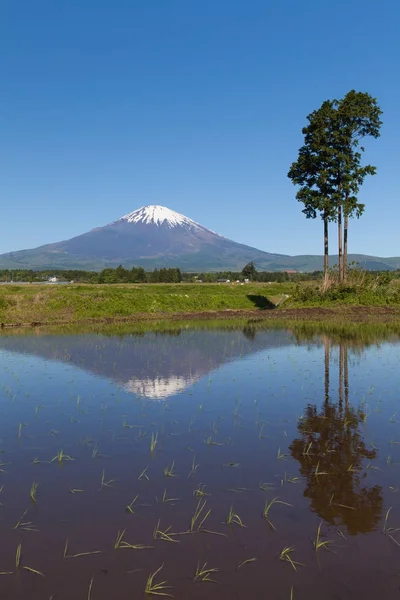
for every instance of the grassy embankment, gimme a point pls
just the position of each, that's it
(71, 303)
(59, 304)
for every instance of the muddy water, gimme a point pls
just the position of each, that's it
(238, 419)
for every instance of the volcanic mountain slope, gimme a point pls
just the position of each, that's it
(154, 237)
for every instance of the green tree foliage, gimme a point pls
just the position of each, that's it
(249, 271)
(328, 170)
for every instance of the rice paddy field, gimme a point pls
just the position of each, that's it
(199, 463)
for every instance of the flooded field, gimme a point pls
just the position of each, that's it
(199, 464)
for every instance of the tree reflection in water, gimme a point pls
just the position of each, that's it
(332, 454)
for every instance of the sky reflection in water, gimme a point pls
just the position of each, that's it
(263, 414)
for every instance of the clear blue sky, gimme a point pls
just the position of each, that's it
(197, 105)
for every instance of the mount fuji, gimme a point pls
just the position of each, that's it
(151, 237)
(154, 237)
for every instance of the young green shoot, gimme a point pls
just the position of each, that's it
(33, 492)
(159, 534)
(193, 468)
(121, 543)
(143, 475)
(247, 562)
(169, 471)
(320, 544)
(129, 507)
(105, 482)
(204, 574)
(285, 554)
(60, 457)
(153, 442)
(199, 516)
(156, 589)
(89, 595)
(267, 508)
(66, 555)
(234, 518)
(199, 492)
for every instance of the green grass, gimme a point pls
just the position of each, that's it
(69, 303)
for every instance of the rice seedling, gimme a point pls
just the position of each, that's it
(143, 475)
(37, 408)
(153, 442)
(199, 491)
(204, 574)
(18, 556)
(33, 492)
(307, 449)
(372, 467)
(386, 529)
(199, 517)
(341, 505)
(209, 442)
(266, 487)
(66, 555)
(169, 471)
(166, 499)
(246, 562)
(60, 457)
(34, 571)
(156, 589)
(267, 508)
(129, 507)
(286, 479)
(24, 525)
(106, 483)
(194, 467)
(20, 428)
(233, 518)
(285, 554)
(317, 472)
(280, 455)
(75, 491)
(18, 563)
(341, 534)
(121, 543)
(89, 594)
(159, 534)
(319, 543)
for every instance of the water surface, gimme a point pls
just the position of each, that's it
(238, 419)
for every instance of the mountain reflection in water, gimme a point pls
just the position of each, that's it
(152, 365)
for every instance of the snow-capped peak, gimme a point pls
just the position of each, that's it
(158, 215)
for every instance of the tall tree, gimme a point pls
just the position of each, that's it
(357, 116)
(311, 171)
(329, 170)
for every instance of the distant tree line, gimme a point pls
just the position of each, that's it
(172, 275)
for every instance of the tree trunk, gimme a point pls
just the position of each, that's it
(326, 344)
(340, 236)
(346, 376)
(345, 234)
(326, 250)
(341, 365)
